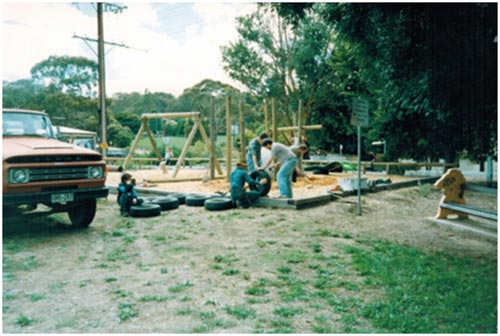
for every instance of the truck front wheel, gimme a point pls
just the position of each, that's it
(83, 213)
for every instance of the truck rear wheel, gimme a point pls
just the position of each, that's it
(83, 213)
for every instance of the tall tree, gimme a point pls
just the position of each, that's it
(261, 58)
(429, 71)
(73, 75)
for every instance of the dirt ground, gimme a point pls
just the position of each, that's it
(195, 271)
(313, 185)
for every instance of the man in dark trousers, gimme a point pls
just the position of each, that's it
(254, 160)
(237, 181)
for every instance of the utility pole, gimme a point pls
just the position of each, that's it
(102, 7)
(102, 80)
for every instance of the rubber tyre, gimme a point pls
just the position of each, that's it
(321, 171)
(196, 200)
(83, 213)
(347, 166)
(180, 196)
(335, 167)
(258, 175)
(219, 203)
(165, 203)
(145, 210)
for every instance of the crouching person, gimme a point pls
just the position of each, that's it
(127, 196)
(237, 179)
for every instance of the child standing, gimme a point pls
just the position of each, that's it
(127, 196)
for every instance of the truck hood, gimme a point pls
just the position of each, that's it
(27, 146)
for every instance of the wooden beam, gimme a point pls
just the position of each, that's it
(304, 127)
(151, 138)
(242, 134)
(229, 139)
(467, 209)
(169, 115)
(274, 121)
(207, 142)
(187, 179)
(472, 187)
(185, 149)
(299, 134)
(213, 136)
(138, 137)
(266, 117)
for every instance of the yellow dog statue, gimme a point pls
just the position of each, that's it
(453, 185)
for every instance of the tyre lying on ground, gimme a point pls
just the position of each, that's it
(258, 175)
(180, 196)
(196, 200)
(218, 203)
(145, 210)
(166, 202)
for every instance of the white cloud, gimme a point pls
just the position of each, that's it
(31, 32)
(169, 65)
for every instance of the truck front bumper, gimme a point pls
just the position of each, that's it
(46, 197)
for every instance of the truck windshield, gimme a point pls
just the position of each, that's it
(33, 124)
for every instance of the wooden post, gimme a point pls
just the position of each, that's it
(229, 140)
(152, 139)
(299, 133)
(207, 143)
(185, 149)
(266, 117)
(213, 134)
(275, 132)
(242, 134)
(275, 124)
(138, 137)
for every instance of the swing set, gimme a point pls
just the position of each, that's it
(197, 126)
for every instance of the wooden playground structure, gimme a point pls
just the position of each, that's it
(270, 127)
(210, 141)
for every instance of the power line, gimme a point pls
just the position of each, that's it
(115, 44)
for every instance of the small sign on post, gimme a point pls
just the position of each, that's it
(360, 117)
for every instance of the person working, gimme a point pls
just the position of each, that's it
(299, 151)
(287, 161)
(254, 160)
(237, 181)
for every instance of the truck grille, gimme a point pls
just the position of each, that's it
(53, 174)
(54, 158)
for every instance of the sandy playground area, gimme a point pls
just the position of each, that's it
(311, 185)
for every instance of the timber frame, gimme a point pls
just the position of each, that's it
(196, 126)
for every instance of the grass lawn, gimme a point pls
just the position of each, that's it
(257, 270)
(425, 293)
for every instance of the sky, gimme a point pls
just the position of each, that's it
(171, 45)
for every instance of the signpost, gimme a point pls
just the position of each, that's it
(360, 117)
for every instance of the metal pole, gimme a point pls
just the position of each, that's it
(359, 172)
(489, 171)
(229, 140)
(102, 79)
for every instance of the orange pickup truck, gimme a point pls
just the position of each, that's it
(40, 169)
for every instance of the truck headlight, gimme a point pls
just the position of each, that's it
(94, 172)
(19, 175)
